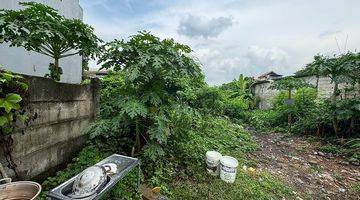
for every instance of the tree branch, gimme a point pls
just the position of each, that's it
(48, 51)
(70, 54)
(65, 50)
(49, 47)
(44, 53)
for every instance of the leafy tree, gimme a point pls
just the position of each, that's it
(289, 84)
(239, 87)
(340, 69)
(155, 76)
(313, 69)
(41, 29)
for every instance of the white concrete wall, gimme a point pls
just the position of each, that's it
(21, 61)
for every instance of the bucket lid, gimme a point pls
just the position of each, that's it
(213, 155)
(229, 161)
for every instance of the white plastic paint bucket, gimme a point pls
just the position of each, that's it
(212, 162)
(228, 168)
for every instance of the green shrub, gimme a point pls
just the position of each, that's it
(13, 100)
(203, 133)
(356, 188)
(316, 118)
(329, 148)
(219, 101)
(246, 186)
(263, 120)
(211, 100)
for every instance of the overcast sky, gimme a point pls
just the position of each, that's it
(230, 37)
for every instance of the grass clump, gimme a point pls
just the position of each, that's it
(246, 186)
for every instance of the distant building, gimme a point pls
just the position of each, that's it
(96, 73)
(269, 76)
(31, 63)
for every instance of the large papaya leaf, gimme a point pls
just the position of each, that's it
(135, 108)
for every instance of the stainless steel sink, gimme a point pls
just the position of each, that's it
(124, 166)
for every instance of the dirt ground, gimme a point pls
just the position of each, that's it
(312, 174)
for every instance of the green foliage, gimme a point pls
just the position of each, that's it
(329, 148)
(12, 92)
(356, 188)
(195, 134)
(151, 76)
(239, 95)
(348, 108)
(263, 120)
(309, 114)
(231, 99)
(40, 28)
(341, 69)
(314, 118)
(55, 72)
(246, 186)
(351, 149)
(211, 100)
(156, 99)
(288, 84)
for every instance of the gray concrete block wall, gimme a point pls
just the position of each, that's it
(21, 61)
(264, 94)
(64, 110)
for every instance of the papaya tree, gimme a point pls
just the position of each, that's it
(289, 84)
(313, 69)
(154, 76)
(340, 69)
(42, 29)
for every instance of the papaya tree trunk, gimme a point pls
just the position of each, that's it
(137, 137)
(352, 126)
(318, 129)
(56, 63)
(289, 115)
(317, 85)
(335, 119)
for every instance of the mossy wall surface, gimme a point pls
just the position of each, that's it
(56, 134)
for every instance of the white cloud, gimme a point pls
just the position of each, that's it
(328, 33)
(268, 35)
(272, 59)
(196, 26)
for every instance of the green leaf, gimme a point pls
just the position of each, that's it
(22, 85)
(13, 98)
(11, 102)
(3, 120)
(133, 74)
(356, 107)
(135, 108)
(40, 28)
(153, 151)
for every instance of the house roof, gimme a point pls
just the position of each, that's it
(271, 73)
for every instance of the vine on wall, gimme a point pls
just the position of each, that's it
(13, 100)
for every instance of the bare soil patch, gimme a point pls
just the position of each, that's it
(312, 174)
